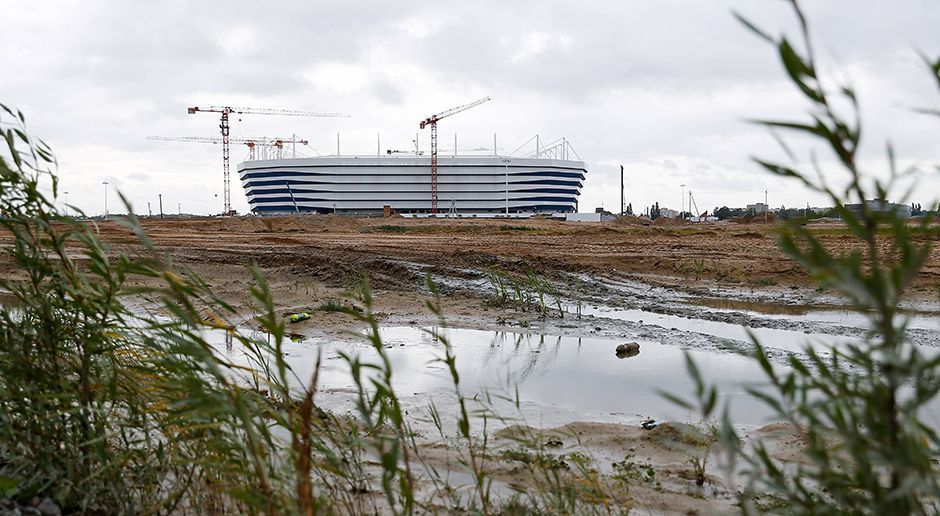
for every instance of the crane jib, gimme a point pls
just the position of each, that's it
(225, 111)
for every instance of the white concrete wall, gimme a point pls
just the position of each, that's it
(361, 184)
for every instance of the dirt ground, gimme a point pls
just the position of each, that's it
(326, 246)
(311, 260)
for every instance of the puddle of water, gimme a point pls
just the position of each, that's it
(921, 319)
(559, 379)
(751, 306)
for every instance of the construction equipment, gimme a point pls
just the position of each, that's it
(225, 111)
(275, 145)
(692, 203)
(432, 121)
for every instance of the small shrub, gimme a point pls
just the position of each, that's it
(765, 282)
(630, 470)
(389, 228)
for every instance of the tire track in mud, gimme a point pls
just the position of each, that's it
(610, 295)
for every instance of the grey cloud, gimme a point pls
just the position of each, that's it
(388, 92)
(626, 81)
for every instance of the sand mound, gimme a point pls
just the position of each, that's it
(667, 222)
(630, 220)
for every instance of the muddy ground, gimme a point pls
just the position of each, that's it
(323, 247)
(688, 286)
(723, 272)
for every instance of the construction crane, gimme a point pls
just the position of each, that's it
(432, 121)
(225, 111)
(263, 142)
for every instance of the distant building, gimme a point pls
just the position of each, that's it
(901, 210)
(668, 213)
(598, 216)
(757, 209)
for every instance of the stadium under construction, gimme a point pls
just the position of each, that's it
(546, 180)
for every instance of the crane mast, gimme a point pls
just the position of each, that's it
(432, 121)
(225, 111)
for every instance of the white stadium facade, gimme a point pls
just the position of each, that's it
(363, 185)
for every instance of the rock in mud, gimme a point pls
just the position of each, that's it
(49, 508)
(630, 349)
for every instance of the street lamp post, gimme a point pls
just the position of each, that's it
(682, 202)
(66, 204)
(105, 183)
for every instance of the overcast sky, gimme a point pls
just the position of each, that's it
(663, 87)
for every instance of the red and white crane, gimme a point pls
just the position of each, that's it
(225, 111)
(432, 121)
(264, 142)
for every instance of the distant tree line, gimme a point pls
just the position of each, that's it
(784, 213)
(805, 213)
(725, 213)
(918, 209)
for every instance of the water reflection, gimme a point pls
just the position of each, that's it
(558, 379)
